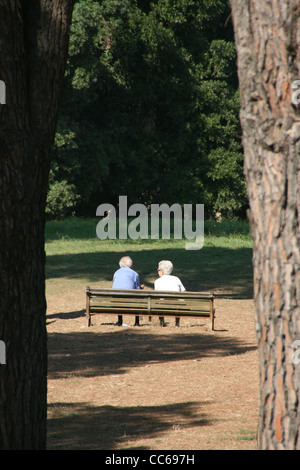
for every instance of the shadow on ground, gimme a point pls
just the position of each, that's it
(227, 272)
(81, 426)
(89, 354)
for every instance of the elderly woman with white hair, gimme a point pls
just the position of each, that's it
(166, 281)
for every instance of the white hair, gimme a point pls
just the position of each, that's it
(126, 261)
(165, 266)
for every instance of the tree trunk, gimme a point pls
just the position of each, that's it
(33, 50)
(267, 40)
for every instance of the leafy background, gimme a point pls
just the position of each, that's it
(149, 109)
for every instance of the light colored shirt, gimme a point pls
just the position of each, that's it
(169, 283)
(126, 278)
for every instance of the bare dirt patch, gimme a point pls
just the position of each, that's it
(151, 387)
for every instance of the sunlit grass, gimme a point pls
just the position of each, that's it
(74, 253)
(80, 235)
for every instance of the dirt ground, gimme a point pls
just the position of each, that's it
(151, 387)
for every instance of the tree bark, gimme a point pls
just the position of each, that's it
(267, 35)
(33, 51)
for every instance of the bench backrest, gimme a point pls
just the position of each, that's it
(148, 301)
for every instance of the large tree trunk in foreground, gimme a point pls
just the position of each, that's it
(267, 38)
(33, 49)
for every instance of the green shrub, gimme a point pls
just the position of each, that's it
(61, 200)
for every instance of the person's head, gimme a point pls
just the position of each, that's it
(125, 262)
(164, 267)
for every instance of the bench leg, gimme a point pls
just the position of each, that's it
(88, 314)
(120, 320)
(162, 321)
(137, 321)
(212, 317)
(177, 321)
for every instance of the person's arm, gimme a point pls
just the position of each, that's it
(138, 285)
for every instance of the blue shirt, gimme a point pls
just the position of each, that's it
(126, 278)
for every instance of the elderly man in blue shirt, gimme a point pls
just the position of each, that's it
(126, 278)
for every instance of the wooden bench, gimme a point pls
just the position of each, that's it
(149, 302)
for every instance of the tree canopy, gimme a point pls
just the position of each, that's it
(150, 108)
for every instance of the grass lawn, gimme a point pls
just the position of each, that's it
(74, 254)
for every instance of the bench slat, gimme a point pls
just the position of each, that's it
(181, 309)
(158, 312)
(144, 293)
(163, 304)
(111, 302)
